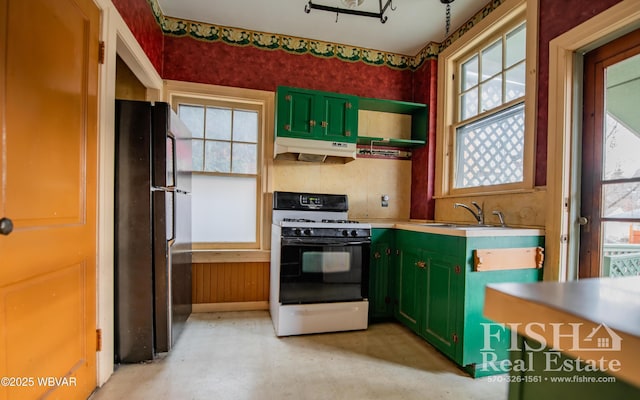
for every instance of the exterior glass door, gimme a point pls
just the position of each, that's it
(610, 237)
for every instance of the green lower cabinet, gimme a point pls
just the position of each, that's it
(409, 287)
(440, 297)
(439, 325)
(380, 274)
(548, 374)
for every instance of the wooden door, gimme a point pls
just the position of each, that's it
(48, 175)
(610, 196)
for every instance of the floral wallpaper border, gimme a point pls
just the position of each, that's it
(296, 45)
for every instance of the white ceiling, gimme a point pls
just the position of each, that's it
(408, 29)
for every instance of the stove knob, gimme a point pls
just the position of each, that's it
(345, 233)
(308, 232)
(354, 233)
(297, 232)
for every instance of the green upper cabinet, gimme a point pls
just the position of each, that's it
(310, 114)
(415, 137)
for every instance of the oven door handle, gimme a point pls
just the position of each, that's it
(321, 243)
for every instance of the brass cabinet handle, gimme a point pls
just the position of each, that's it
(312, 123)
(287, 127)
(347, 133)
(377, 254)
(287, 97)
(325, 124)
(421, 264)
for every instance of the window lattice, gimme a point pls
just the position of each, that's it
(491, 151)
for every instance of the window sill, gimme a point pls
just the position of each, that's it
(230, 256)
(493, 193)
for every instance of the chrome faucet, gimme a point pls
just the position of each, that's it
(500, 217)
(478, 214)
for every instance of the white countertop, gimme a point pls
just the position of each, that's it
(614, 302)
(457, 229)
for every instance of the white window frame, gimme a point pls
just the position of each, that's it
(257, 100)
(506, 17)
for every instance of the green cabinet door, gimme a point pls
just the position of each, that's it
(410, 280)
(296, 113)
(339, 118)
(310, 114)
(439, 324)
(380, 279)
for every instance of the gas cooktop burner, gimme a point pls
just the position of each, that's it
(340, 221)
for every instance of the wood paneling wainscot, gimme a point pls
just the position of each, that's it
(230, 286)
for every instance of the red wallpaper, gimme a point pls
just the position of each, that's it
(556, 17)
(187, 59)
(423, 159)
(138, 16)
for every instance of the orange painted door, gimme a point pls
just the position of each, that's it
(48, 175)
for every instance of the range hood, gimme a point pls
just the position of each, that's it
(313, 150)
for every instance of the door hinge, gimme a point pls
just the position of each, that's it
(348, 105)
(454, 337)
(98, 339)
(101, 52)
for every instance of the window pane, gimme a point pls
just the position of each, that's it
(622, 122)
(244, 158)
(469, 104)
(218, 123)
(491, 60)
(197, 154)
(515, 82)
(217, 157)
(620, 249)
(516, 46)
(223, 218)
(491, 151)
(245, 126)
(193, 118)
(491, 94)
(470, 73)
(621, 200)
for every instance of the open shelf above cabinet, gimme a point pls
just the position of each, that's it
(419, 117)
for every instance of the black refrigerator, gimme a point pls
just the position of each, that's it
(152, 229)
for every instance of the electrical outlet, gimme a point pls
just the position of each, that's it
(384, 200)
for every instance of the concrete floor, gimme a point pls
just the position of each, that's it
(236, 355)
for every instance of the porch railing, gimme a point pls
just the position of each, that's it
(621, 260)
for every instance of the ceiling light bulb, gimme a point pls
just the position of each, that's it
(352, 3)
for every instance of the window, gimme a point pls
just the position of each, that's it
(227, 138)
(490, 130)
(487, 139)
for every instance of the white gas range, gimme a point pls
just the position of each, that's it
(319, 265)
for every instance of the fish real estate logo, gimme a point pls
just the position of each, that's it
(571, 337)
